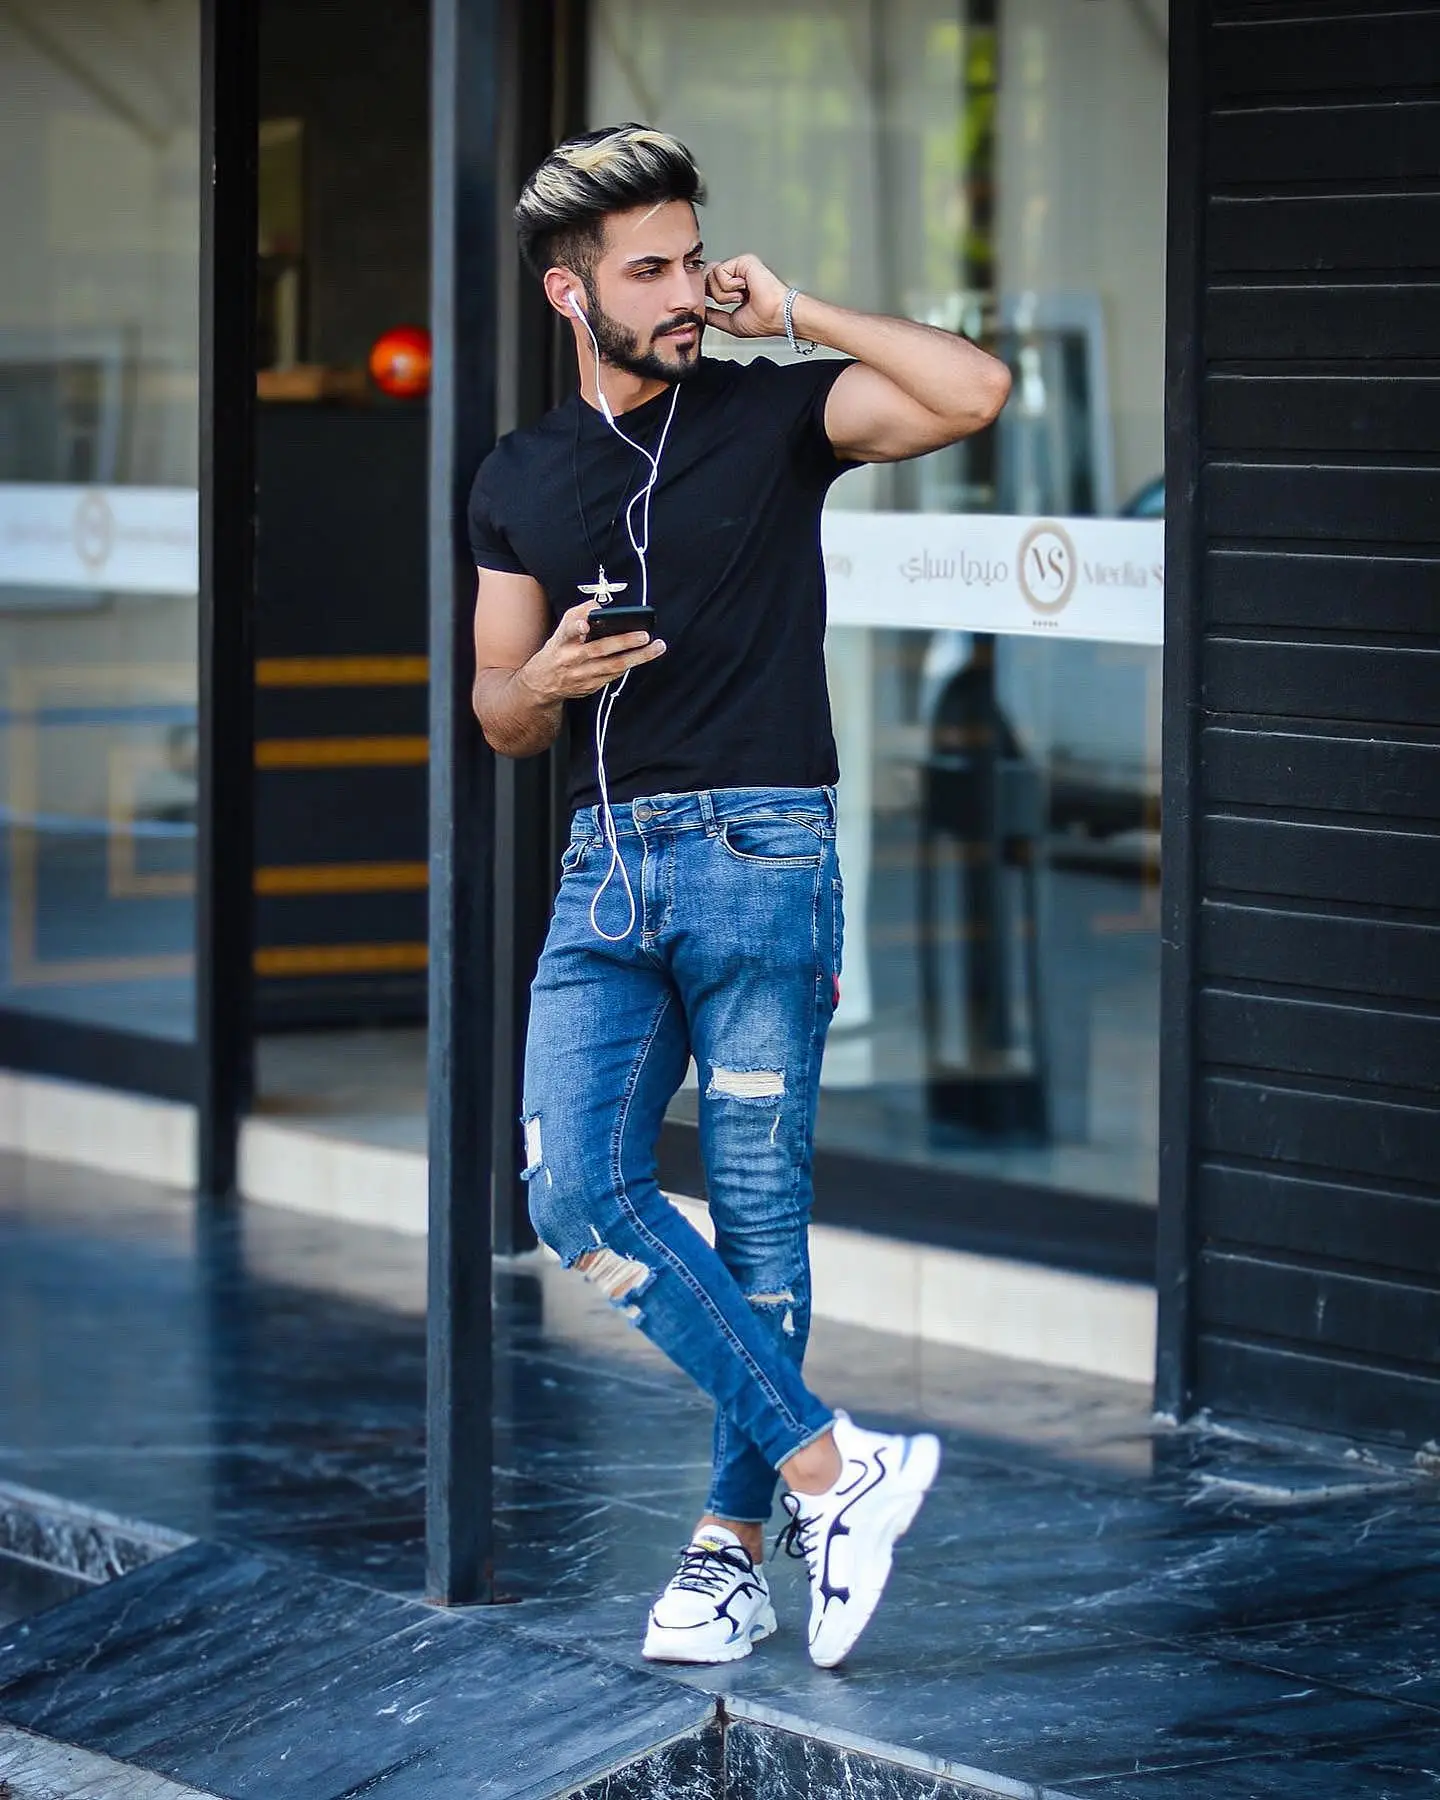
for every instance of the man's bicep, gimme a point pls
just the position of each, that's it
(512, 619)
(869, 419)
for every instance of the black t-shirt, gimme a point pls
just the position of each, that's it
(739, 698)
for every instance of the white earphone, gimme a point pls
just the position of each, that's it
(640, 544)
(579, 312)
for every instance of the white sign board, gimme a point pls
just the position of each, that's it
(1078, 578)
(119, 540)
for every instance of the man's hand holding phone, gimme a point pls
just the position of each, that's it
(577, 660)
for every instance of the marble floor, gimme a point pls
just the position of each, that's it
(1090, 1604)
(28, 1587)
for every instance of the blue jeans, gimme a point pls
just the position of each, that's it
(734, 958)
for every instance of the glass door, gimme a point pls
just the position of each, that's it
(995, 167)
(99, 410)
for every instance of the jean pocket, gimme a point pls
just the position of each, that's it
(574, 856)
(773, 839)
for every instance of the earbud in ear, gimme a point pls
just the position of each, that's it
(574, 304)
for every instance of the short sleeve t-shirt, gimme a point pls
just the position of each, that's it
(737, 580)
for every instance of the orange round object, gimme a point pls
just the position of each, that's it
(400, 361)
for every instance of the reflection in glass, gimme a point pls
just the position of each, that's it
(98, 418)
(1008, 1013)
(995, 167)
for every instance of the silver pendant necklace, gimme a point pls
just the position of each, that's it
(603, 591)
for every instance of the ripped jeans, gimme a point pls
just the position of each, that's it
(734, 958)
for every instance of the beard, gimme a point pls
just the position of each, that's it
(621, 346)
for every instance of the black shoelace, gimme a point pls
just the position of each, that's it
(705, 1570)
(797, 1539)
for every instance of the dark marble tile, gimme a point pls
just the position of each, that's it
(1284, 1470)
(27, 1588)
(291, 1499)
(1393, 1651)
(1085, 1591)
(229, 1673)
(179, 1643)
(86, 1542)
(1054, 1716)
(42, 1648)
(375, 1552)
(449, 1707)
(969, 1684)
(579, 1549)
(550, 1543)
(687, 1768)
(1192, 1571)
(1397, 1768)
(918, 1623)
(1404, 1525)
(763, 1763)
(172, 1491)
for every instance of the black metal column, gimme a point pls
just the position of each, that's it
(223, 910)
(1174, 1370)
(542, 101)
(522, 788)
(464, 133)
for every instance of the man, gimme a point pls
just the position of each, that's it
(699, 910)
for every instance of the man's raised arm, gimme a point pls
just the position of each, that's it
(913, 388)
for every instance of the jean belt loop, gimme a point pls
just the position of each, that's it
(831, 804)
(707, 811)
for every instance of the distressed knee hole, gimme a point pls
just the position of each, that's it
(621, 1279)
(534, 1150)
(782, 1302)
(746, 1084)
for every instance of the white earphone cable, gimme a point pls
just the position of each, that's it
(640, 544)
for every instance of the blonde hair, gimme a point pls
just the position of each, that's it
(561, 212)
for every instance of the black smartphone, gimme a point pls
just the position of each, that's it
(614, 621)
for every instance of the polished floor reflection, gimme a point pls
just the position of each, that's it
(1090, 1603)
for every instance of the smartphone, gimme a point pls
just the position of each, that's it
(614, 621)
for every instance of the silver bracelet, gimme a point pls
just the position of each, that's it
(801, 346)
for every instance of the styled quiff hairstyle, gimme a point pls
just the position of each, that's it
(561, 213)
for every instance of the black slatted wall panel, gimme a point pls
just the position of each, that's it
(1311, 838)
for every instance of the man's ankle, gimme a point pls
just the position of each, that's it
(815, 1469)
(751, 1535)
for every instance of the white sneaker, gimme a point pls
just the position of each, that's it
(847, 1537)
(717, 1604)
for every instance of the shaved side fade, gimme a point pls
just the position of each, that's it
(561, 213)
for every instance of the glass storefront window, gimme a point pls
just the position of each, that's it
(99, 321)
(995, 167)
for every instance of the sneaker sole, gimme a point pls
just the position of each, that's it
(920, 1468)
(658, 1650)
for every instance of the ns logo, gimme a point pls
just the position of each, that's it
(92, 531)
(1047, 566)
